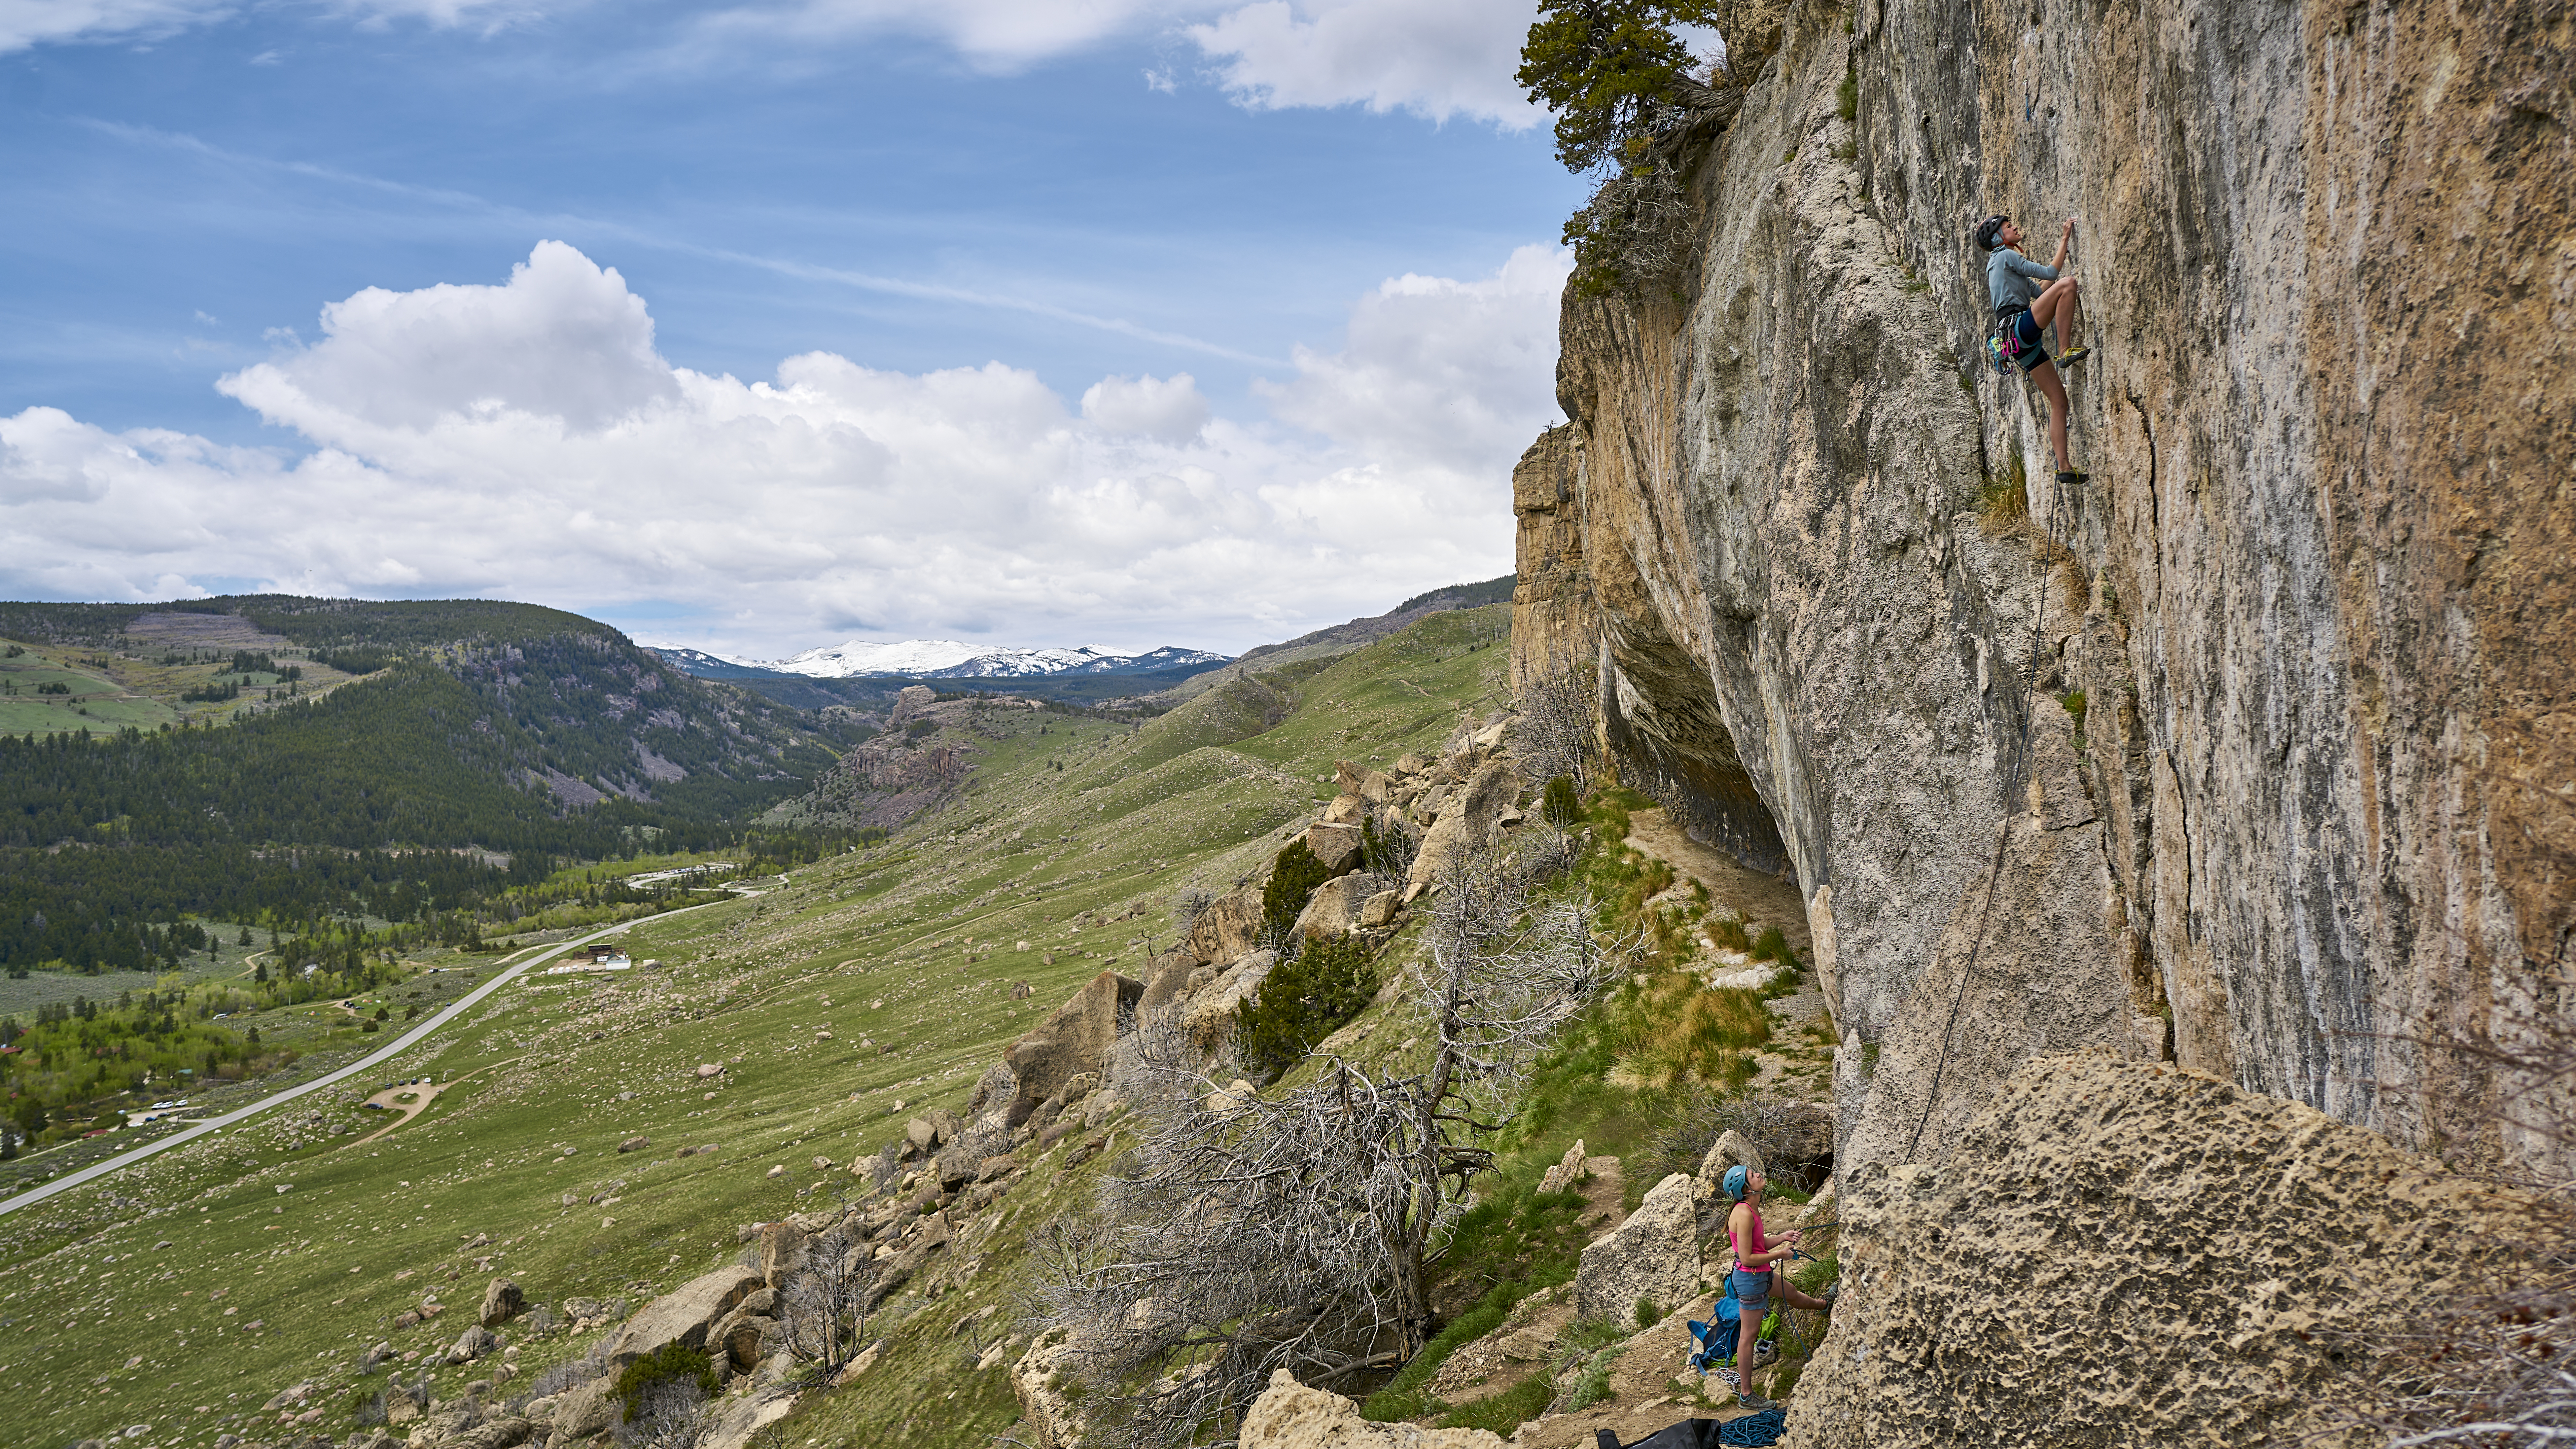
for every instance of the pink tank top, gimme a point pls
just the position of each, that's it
(1760, 1245)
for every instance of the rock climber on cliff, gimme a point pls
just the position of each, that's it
(2014, 286)
(1757, 1276)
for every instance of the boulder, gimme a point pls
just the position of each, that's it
(922, 1136)
(1334, 909)
(1729, 1150)
(1075, 1039)
(634, 1144)
(504, 1432)
(782, 1251)
(864, 1360)
(1209, 1017)
(1289, 1415)
(586, 1409)
(1347, 808)
(1653, 1255)
(1409, 763)
(993, 1091)
(502, 1301)
(1378, 788)
(1167, 980)
(1348, 777)
(945, 1123)
(2192, 1262)
(735, 1422)
(742, 1339)
(1336, 847)
(1037, 1381)
(472, 1344)
(1466, 821)
(1228, 927)
(684, 1314)
(1378, 911)
(1567, 1173)
(710, 1069)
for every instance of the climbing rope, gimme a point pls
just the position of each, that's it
(2014, 780)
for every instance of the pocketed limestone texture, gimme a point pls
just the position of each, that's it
(2126, 1253)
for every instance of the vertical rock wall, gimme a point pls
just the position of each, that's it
(2258, 749)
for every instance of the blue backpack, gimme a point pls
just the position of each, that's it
(1717, 1340)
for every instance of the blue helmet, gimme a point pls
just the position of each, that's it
(1739, 1178)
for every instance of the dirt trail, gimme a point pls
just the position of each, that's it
(1761, 899)
(413, 1099)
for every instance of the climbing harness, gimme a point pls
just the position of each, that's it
(2003, 341)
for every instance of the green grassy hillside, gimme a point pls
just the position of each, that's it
(857, 991)
(906, 952)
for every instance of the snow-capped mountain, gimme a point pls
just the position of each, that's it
(949, 659)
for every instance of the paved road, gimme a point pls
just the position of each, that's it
(35, 1195)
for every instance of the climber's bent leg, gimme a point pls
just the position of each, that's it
(2062, 305)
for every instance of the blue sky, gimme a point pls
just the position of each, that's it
(1119, 323)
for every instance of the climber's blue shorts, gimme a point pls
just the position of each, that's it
(2027, 330)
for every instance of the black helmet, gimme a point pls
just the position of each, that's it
(1988, 230)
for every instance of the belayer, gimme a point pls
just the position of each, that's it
(1760, 1272)
(2024, 309)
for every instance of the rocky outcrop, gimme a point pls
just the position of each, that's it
(2164, 1258)
(1073, 1040)
(1209, 1015)
(1289, 1415)
(684, 1314)
(1334, 908)
(1228, 927)
(2249, 751)
(1653, 1257)
(1471, 817)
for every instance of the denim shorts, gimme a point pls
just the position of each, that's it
(1752, 1290)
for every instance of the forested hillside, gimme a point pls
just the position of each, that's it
(486, 741)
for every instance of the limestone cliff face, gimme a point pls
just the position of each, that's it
(2257, 750)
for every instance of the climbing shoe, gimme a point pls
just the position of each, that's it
(2073, 355)
(1756, 1402)
(1833, 1291)
(2073, 476)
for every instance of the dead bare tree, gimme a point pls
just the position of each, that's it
(1296, 1231)
(824, 1308)
(670, 1414)
(1555, 734)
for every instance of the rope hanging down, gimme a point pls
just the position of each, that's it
(2014, 778)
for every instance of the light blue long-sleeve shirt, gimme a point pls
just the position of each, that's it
(2014, 280)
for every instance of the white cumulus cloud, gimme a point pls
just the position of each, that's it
(525, 440)
(1439, 58)
(1168, 410)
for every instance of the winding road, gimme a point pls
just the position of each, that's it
(399, 1045)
